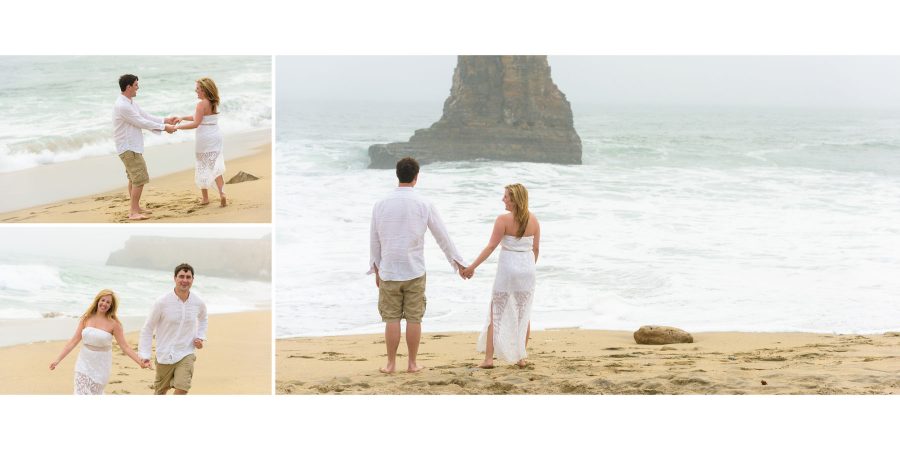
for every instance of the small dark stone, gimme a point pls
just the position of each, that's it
(242, 177)
(657, 335)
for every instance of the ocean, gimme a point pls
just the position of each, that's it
(59, 108)
(33, 288)
(707, 219)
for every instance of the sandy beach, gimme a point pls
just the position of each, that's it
(573, 361)
(171, 195)
(235, 360)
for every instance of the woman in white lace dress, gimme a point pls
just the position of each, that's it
(96, 330)
(208, 149)
(518, 234)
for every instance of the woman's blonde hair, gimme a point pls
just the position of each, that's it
(518, 195)
(211, 91)
(110, 313)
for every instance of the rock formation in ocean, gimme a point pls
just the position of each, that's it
(657, 335)
(230, 258)
(501, 108)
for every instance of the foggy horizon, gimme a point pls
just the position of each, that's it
(95, 244)
(866, 82)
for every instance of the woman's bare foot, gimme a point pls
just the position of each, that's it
(137, 217)
(522, 363)
(223, 201)
(387, 369)
(413, 368)
(487, 364)
(204, 202)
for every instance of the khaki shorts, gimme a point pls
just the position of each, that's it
(135, 168)
(402, 300)
(176, 375)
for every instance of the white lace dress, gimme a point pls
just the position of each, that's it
(94, 362)
(210, 160)
(511, 299)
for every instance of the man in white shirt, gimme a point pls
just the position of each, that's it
(179, 320)
(397, 258)
(128, 121)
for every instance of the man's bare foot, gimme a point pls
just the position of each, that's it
(522, 363)
(487, 365)
(414, 368)
(137, 217)
(387, 369)
(223, 201)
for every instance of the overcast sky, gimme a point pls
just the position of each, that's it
(810, 81)
(96, 243)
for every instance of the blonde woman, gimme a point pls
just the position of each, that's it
(208, 150)
(95, 331)
(518, 234)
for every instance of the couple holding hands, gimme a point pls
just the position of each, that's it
(178, 319)
(397, 238)
(129, 120)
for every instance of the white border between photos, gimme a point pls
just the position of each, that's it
(267, 27)
(383, 422)
(414, 27)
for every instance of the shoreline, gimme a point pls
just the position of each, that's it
(93, 190)
(242, 336)
(577, 361)
(55, 329)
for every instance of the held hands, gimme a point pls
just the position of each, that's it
(53, 365)
(170, 124)
(465, 272)
(145, 364)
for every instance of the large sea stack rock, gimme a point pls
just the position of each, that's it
(656, 335)
(230, 258)
(500, 107)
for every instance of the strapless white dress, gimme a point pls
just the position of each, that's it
(94, 362)
(511, 299)
(208, 149)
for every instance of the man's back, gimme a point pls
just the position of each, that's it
(399, 222)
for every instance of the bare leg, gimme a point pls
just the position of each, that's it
(522, 362)
(129, 190)
(180, 392)
(220, 183)
(205, 194)
(489, 346)
(135, 213)
(413, 336)
(392, 341)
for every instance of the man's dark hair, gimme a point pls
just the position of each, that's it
(126, 80)
(407, 170)
(184, 266)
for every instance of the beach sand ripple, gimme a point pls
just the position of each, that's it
(571, 361)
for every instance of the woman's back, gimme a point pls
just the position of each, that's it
(511, 227)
